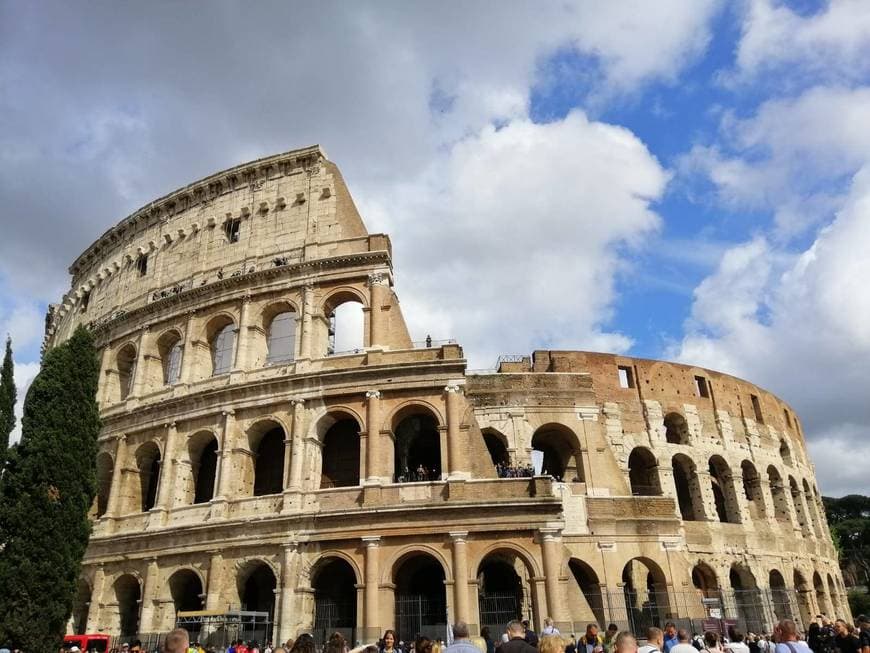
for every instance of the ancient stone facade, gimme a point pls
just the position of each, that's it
(246, 464)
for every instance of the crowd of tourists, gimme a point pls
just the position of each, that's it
(422, 473)
(513, 471)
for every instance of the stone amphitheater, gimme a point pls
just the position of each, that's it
(247, 466)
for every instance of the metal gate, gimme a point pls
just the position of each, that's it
(331, 616)
(499, 608)
(421, 614)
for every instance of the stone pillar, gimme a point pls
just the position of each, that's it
(213, 592)
(224, 481)
(378, 284)
(187, 356)
(550, 540)
(460, 576)
(149, 589)
(113, 508)
(371, 623)
(103, 379)
(138, 380)
(454, 446)
(296, 446)
(95, 615)
(167, 470)
(242, 338)
(373, 435)
(705, 484)
(307, 335)
(288, 592)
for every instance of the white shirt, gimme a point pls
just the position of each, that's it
(682, 647)
(737, 647)
(650, 648)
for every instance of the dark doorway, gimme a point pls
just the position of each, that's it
(421, 600)
(418, 449)
(341, 455)
(269, 466)
(186, 590)
(204, 471)
(499, 593)
(258, 591)
(334, 600)
(128, 594)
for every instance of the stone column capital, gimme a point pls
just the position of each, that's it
(452, 389)
(458, 536)
(371, 541)
(373, 394)
(297, 401)
(229, 412)
(550, 534)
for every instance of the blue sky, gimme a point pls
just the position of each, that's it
(684, 179)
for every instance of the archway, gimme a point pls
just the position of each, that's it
(643, 473)
(804, 595)
(777, 493)
(812, 510)
(724, 494)
(148, 461)
(340, 455)
(105, 470)
(495, 445)
(128, 594)
(590, 598)
(676, 429)
(502, 590)
(269, 463)
(81, 607)
(705, 581)
(417, 449)
(746, 599)
(834, 594)
(170, 348)
(221, 333)
(798, 502)
(421, 598)
(335, 602)
(203, 461)
(785, 452)
(645, 592)
(185, 587)
(752, 490)
(822, 598)
(256, 587)
(347, 325)
(779, 596)
(126, 363)
(281, 337)
(688, 488)
(561, 452)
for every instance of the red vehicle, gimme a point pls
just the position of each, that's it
(98, 642)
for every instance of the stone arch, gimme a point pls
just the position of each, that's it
(335, 554)
(170, 352)
(779, 595)
(186, 588)
(125, 364)
(688, 488)
(409, 551)
(256, 581)
(746, 598)
(834, 596)
(81, 607)
(220, 334)
(263, 474)
(497, 446)
(346, 312)
(812, 509)
(416, 443)
(410, 407)
(149, 462)
(645, 593)
(643, 473)
(705, 580)
(724, 492)
(340, 449)
(105, 472)
(128, 596)
(804, 597)
(676, 428)
(275, 338)
(420, 579)
(799, 508)
(587, 595)
(202, 448)
(752, 490)
(561, 452)
(334, 579)
(822, 596)
(777, 493)
(504, 586)
(785, 452)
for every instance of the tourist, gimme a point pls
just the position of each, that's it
(571, 646)
(177, 641)
(626, 642)
(654, 640)
(461, 642)
(253, 648)
(591, 641)
(232, 647)
(516, 643)
(684, 642)
(670, 637)
(844, 641)
(487, 637)
(609, 640)
(551, 644)
(549, 627)
(304, 644)
(269, 648)
(736, 643)
(786, 635)
(423, 644)
(531, 635)
(336, 644)
(863, 625)
(388, 642)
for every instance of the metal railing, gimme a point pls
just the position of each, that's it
(430, 343)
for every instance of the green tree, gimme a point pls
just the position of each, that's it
(849, 519)
(45, 496)
(8, 396)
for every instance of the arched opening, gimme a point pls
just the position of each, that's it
(688, 488)
(203, 466)
(560, 451)
(269, 463)
(752, 490)
(676, 429)
(645, 593)
(281, 338)
(705, 581)
(417, 449)
(170, 347)
(798, 501)
(222, 344)
(643, 473)
(747, 605)
(822, 599)
(590, 598)
(495, 445)
(340, 457)
(105, 469)
(785, 452)
(812, 510)
(724, 494)
(421, 598)
(128, 595)
(126, 364)
(257, 589)
(346, 332)
(779, 596)
(334, 584)
(148, 462)
(777, 493)
(81, 607)
(834, 596)
(804, 597)
(502, 590)
(185, 588)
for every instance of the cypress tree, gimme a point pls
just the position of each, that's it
(45, 496)
(8, 396)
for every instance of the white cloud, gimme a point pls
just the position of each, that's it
(24, 322)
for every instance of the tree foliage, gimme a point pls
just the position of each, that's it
(849, 519)
(45, 496)
(8, 396)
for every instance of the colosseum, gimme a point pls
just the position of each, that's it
(252, 474)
